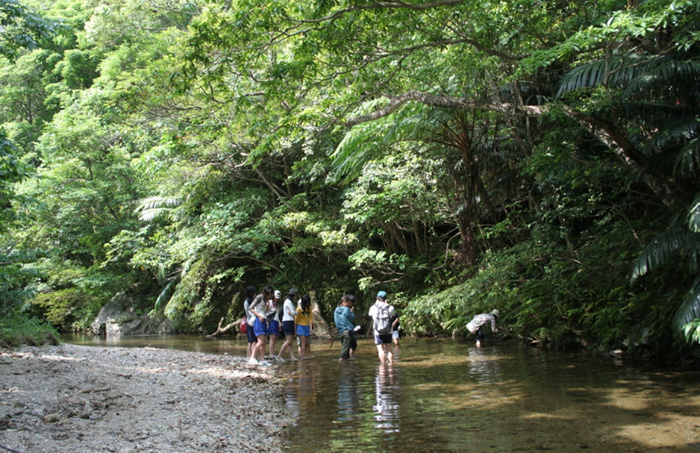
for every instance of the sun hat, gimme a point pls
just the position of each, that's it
(381, 295)
(495, 313)
(278, 294)
(293, 292)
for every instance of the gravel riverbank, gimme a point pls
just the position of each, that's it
(80, 399)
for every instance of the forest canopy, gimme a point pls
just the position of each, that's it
(541, 158)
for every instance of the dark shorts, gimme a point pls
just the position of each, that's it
(273, 328)
(288, 327)
(384, 338)
(250, 334)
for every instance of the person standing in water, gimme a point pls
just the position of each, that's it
(250, 319)
(476, 325)
(381, 313)
(395, 330)
(274, 305)
(259, 309)
(288, 313)
(344, 319)
(304, 320)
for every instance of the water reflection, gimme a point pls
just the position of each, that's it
(386, 406)
(446, 395)
(348, 396)
(483, 366)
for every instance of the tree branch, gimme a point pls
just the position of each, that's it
(443, 102)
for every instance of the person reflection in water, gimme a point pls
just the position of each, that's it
(477, 323)
(386, 407)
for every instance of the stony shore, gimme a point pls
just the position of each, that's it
(88, 399)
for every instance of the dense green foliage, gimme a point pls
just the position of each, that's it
(537, 157)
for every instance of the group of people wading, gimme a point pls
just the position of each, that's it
(267, 316)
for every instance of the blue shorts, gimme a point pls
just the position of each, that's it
(260, 327)
(250, 334)
(384, 338)
(303, 331)
(273, 328)
(288, 327)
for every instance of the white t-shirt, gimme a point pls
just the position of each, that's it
(289, 310)
(260, 307)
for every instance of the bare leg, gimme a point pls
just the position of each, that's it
(302, 348)
(273, 340)
(259, 350)
(380, 353)
(287, 345)
(388, 353)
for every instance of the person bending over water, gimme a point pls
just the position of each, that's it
(476, 325)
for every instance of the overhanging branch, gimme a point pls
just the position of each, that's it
(443, 102)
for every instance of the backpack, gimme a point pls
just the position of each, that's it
(382, 320)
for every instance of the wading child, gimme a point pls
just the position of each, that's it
(259, 309)
(288, 312)
(304, 320)
(381, 313)
(344, 319)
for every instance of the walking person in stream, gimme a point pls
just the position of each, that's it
(344, 319)
(259, 309)
(476, 325)
(304, 320)
(289, 311)
(381, 313)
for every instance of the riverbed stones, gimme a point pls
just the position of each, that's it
(77, 398)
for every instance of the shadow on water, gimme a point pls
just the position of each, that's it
(446, 395)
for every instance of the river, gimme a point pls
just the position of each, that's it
(446, 395)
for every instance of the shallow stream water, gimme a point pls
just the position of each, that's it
(447, 395)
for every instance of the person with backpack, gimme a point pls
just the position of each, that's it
(477, 324)
(381, 313)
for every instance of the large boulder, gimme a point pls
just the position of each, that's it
(120, 317)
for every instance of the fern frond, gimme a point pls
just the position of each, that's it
(648, 112)
(152, 207)
(616, 70)
(687, 161)
(660, 251)
(688, 311)
(667, 76)
(165, 295)
(368, 141)
(694, 215)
